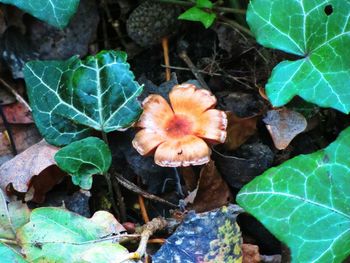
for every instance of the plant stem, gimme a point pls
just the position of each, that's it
(215, 8)
(134, 188)
(178, 183)
(109, 181)
(120, 197)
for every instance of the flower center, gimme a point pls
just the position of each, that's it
(178, 126)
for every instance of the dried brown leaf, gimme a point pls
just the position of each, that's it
(213, 192)
(17, 113)
(283, 125)
(239, 130)
(20, 170)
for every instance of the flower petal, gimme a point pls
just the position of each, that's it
(146, 141)
(212, 125)
(186, 151)
(156, 113)
(188, 99)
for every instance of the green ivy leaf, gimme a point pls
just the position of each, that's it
(84, 158)
(319, 32)
(305, 202)
(8, 254)
(72, 98)
(57, 235)
(55, 12)
(204, 4)
(197, 13)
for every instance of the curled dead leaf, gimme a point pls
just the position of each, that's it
(212, 191)
(284, 125)
(19, 171)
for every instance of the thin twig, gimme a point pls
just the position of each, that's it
(165, 45)
(18, 97)
(114, 23)
(235, 25)
(237, 79)
(147, 231)
(183, 55)
(144, 213)
(156, 241)
(8, 241)
(134, 188)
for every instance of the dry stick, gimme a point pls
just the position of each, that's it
(236, 25)
(147, 231)
(156, 241)
(18, 97)
(216, 8)
(144, 213)
(183, 55)
(134, 188)
(165, 45)
(114, 23)
(8, 241)
(237, 79)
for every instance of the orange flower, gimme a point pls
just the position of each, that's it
(177, 133)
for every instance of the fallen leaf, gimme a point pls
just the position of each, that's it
(250, 253)
(78, 239)
(190, 177)
(13, 215)
(208, 237)
(20, 170)
(24, 137)
(212, 191)
(43, 183)
(284, 125)
(239, 130)
(17, 113)
(8, 254)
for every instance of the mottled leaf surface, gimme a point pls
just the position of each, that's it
(208, 237)
(319, 32)
(12, 216)
(57, 235)
(55, 12)
(84, 158)
(305, 202)
(72, 98)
